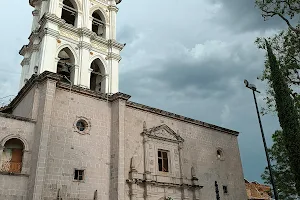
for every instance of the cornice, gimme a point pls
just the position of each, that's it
(99, 39)
(29, 48)
(114, 44)
(48, 31)
(143, 181)
(84, 45)
(33, 2)
(10, 116)
(85, 32)
(52, 18)
(180, 117)
(33, 35)
(120, 95)
(118, 1)
(23, 51)
(25, 61)
(36, 12)
(113, 56)
(113, 8)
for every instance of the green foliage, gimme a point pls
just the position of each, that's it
(281, 72)
(283, 175)
(286, 47)
(287, 114)
(285, 9)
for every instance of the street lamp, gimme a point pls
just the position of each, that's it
(253, 88)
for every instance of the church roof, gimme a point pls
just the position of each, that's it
(53, 76)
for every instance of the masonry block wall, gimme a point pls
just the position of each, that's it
(69, 150)
(117, 150)
(14, 186)
(199, 151)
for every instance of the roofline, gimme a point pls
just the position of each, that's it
(180, 117)
(53, 76)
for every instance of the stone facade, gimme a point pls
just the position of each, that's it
(118, 150)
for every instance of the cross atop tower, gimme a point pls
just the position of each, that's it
(77, 39)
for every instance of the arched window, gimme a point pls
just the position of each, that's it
(69, 12)
(98, 23)
(65, 65)
(97, 81)
(11, 159)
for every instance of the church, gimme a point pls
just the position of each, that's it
(69, 134)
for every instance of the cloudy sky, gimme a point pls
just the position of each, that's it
(184, 56)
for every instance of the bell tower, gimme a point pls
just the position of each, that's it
(77, 39)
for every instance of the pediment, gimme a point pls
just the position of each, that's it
(163, 132)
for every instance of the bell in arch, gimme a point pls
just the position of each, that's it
(64, 70)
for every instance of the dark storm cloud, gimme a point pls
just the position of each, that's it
(127, 34)
(188, 57)
(243, 15)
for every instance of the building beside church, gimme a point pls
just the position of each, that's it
(258, 191)
(70, 134)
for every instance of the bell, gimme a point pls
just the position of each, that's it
(64, 70)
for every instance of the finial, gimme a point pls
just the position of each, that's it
(193, 172)
(132, 164)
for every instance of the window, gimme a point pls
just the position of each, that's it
(97, 79)
(11, 159)
(163, 165)
(81, 125)
(98, 24)
(79, 175)
(220, 154)
(65, 65)
(69, 12)
(225, 189)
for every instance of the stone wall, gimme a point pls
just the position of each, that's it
(68, 149)
(199, 151)
(25, 106)
(14, 186)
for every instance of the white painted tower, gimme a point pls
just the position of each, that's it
(75, 38)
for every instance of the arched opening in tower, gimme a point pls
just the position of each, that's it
(98, 23)
(98, 77)
(66, 64)
(69, 12)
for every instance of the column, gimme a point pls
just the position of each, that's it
(113, 21)
(35, 21)
(48, 50)
(45, 7)
(118, 181)
(84, 65)
(1, 151)
(25, 162)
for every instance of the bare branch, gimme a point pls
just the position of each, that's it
(272, 13)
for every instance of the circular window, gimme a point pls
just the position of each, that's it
(81, 125)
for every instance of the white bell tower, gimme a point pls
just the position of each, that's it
(75, 38)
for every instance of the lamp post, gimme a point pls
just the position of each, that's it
(253, 88)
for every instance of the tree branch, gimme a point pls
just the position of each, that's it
(273, 13)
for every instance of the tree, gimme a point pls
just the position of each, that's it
(281, 170)
(287, 10)
(285, 45)
(287, 114)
